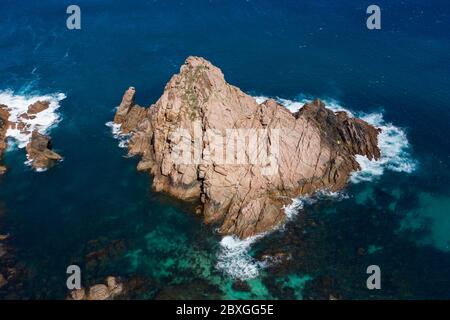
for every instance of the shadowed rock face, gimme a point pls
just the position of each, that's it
(312, 149)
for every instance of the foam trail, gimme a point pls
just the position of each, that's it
(44, 120)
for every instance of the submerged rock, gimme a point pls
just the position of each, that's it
(296, 153)
(3, 251)
(39, 151)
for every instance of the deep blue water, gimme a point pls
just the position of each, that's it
(96, 201)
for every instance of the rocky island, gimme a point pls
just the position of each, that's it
(310, 150)
(39, 147)
(4, 116)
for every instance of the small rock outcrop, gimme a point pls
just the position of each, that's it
(309, 150)
(107, 291)
(4, 116)
(39, 151)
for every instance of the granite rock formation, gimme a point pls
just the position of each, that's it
(39, 151)
(313, 149)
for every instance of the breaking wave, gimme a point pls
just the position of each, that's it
(234, 257)
(44, 120)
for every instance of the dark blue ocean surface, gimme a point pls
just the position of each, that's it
(95, 210)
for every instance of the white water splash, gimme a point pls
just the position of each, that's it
(394, 147)
(299, 203)
(118, 134)
(392, 141)
(44, 120)
(234, 256)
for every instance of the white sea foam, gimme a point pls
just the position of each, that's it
(44, 121)
(234, 257)
(296, 205)
(118, 134)
(299, 203)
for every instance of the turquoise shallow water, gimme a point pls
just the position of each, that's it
(95, 210)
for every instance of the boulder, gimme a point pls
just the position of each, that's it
(2, 250)
(115, 288)
(108, 291)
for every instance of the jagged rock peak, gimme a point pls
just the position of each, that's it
(242, 189)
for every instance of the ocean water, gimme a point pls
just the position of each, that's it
(95, 210)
